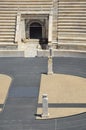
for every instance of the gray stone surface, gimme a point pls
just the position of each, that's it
(21, 103)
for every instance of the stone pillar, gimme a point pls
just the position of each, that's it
(23, 29)
(50, 29)
(18, 29)
(45, 113)
(50, 65)
(50, 62)
(43, 31)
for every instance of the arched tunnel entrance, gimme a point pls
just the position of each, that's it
(35, 30)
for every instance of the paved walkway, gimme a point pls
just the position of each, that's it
(21, 103)
(5, 82)
(66, 95)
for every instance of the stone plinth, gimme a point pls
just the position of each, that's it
(45, 113)
(50, 65)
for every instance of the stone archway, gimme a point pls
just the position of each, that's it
(35, 30)
(24, 27)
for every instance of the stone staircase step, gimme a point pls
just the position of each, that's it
(71, 41)
(6, 27)
(7, 24)
(72, 46)
(7, 46)
(31, 41)
(7, 18)
(25, 3)
(72, 23)
(69, 53)
(69, 26)
(11, 53)
(8, 13)
(68, 30)
(6, 40)
(4, 34)
(62, 53)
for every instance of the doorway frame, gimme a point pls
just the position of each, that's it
(47, 16)
(29, 22)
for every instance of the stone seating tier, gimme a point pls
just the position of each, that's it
(69, 19)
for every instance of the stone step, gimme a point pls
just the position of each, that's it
(71, 16)
(7, 15)
(28, 0)
(6, 40)
(66, 1)
(69, 53)
(7, 30)
(68, 30)
(7, 34)
(25, 8)
(72, 11)
(35, 5)
(62, 53)
(6, 27)
(7, 18)
(11, 53)
(72, 38)
(72, 2)
(71, 41)
(72, 5)
(8, 12)
(33, 41)
(72, 24)
(71, 27)
(72, 8)
(72, 35)
(25, 3)
(6, 46)
(7, 24)
(72, 46)
(73, 20)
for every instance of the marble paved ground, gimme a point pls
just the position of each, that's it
(5, 83)
(20, 108)
(66, 95)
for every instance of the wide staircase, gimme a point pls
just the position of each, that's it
(69, 23)
(72, 24)
(8, 13)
